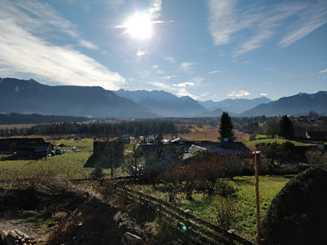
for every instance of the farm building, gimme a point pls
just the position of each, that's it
(25, 147)
(180, 149)
(106, 153)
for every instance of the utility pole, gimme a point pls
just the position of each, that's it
(257, 194)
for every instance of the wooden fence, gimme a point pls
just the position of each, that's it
(197, 230)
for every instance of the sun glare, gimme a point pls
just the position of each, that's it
(139, 26)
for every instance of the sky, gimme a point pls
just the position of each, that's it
(206, 49)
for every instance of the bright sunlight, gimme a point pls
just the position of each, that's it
(139, 26)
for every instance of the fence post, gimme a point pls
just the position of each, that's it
(257, 196)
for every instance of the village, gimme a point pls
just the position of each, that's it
(210, 179)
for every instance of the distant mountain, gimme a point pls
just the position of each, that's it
(234, 105)
(29, 96)
(214, 113)
(299, 104)
(164, 104)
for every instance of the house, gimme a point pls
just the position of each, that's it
(310, 134)
(179, 149)
(223, 149)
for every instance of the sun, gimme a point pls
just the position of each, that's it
(139, 26)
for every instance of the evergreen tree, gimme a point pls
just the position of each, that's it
(226, 128)
(286, 128)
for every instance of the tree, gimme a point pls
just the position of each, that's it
(226, 128)
(97, 173)
(286, 128)
(133, 161)
(271, 127)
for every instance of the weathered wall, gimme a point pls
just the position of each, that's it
(106, 154)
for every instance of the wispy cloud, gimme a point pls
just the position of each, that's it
(25, 50)
(170, 59)
(40, 18)
(88, 45)
(222, 22)
(183, 88)
(184, 84)
(36, 17)
(261, 23)
(314, 17)
(180, 89)
(168, 77)
(186, 66)
(323, 71)
(155, 8)
(239, 93)
(214, 72)
(140, 53)
(264, 94)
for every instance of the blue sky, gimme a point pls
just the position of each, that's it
(209, 49)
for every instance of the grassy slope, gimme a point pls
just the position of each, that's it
(69, 164)
(252, 143)
(245, 202)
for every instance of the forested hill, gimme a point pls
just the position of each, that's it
(29, 96)
(299, 104)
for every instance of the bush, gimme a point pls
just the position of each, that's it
(316, 157)
(298, 215)
(97, 173)
(225, 189)
(226, 213)
(283, 153)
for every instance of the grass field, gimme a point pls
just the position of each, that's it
(266, 140)
(69, 165)
(210, 133)
(245, 218)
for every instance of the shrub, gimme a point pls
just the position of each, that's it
(297, 215)
(97, 173)
(226, 213)
(316, 157)
(225, 189)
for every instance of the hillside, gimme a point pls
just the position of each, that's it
(214, 113)
(164, 103)
(29, 96)
(299, 104)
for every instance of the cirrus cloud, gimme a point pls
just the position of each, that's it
(239, 93)
(24, 48)
(186, 66)
(259, 23)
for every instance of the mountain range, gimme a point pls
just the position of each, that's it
(164, 104)
(298, 104)
(234, 105)
(29, 96)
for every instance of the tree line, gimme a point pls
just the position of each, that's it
(96, 129)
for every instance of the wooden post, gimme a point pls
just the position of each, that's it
(257, 196)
